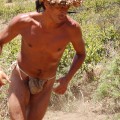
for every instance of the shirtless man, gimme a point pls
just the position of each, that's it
(44, 38)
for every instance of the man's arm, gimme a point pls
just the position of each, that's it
(79, 46)
(14, 28)
(11, 31)
(7, 35)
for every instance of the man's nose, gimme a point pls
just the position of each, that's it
(63, 10)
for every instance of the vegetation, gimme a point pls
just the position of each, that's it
(99, 20)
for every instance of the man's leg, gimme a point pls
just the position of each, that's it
(39, 102)
(18, 96)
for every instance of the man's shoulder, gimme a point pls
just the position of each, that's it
(73, 26)
(74, 29)
(24, 19)
(72, 23)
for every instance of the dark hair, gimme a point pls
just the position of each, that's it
(39, 6)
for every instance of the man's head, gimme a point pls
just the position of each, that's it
(57, 9)
(75, 3)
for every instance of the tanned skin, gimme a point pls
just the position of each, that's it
(44, 38)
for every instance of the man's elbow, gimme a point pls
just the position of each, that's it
(84, 55)
(81, 56)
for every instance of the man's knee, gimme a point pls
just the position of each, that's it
(16, 108)
(17, 101)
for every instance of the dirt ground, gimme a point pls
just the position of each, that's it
(85, 111)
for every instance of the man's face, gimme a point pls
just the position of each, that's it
(57, 12)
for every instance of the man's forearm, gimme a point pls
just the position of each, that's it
(76, 64)
(0, 53)
(1, 48)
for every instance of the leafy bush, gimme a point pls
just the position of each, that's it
(109, 85)
(9, 55)
(9, 10)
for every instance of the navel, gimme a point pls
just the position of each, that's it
(59, 49)
(29, 45)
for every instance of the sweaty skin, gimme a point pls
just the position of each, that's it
(44, 38)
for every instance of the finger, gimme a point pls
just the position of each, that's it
(55, 90)
(8, 79)
(57, 81)
(58, 90)
(2, 82)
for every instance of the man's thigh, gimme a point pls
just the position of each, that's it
(18, 95)
(39, 102)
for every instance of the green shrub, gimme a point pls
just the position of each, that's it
(109, 85)
(9, 10)
(9, 54)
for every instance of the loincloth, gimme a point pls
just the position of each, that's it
(35, 84)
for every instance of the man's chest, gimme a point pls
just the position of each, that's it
(40, 39)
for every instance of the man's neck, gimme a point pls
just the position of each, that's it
(48, 23)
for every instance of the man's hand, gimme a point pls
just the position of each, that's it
(3, 78)
(62, 87)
